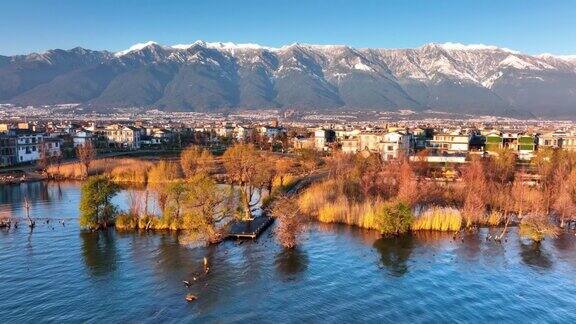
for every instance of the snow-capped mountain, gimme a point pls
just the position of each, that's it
(204, 76)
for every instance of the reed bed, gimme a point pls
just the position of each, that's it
(101, 166)
(438, 219)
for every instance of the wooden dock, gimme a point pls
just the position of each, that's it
(249, 229)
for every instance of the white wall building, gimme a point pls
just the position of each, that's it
(28, 146)
(123, 136)
(394, 144)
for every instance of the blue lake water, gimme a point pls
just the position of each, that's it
(59, 274)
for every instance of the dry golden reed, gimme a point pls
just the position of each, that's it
(438, 219)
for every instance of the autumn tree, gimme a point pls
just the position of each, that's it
(309, 160)
(537, 227)
(501, 167)
(563, 204)
(243, 164)
(86, 154)
(545, 163)
(283, 167)
(407, 184)
(44, 160)
(291, 222)
(368, 171)
(194, 160)
(161, 173)
(474, 191)
(421, 164)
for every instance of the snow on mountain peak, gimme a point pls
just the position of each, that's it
(221, 46)
(568, 58)
(474, 47)
(135, 47)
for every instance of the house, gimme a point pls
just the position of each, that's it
(323, 137)
(242, 133)
(271, 131)
(493, 142)
(123, 136)
(569, 142)
(52, 146)
(526, 147)
(82, 137)
(551, 139)
(28, 145)
(8, 150)
(419, 138)
(300, 142)
(450, 142)
(369, 140)
(224, 131)
(350, 145)
(394, 144)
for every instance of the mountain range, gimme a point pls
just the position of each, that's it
(451, 77)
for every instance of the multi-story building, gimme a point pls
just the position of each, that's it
(52, 146)
(551, 139)
(394, 144)
(526, 147)
(493, 142)
(8, 150)
(28, 145)
(323, 137)
(569, 142)
(82, 137)
(451, 143)
(301, 142)
(370, 140)
(242, 133)
(271, 131)
(123, 136)
(350, 145)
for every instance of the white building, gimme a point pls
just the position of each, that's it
(453, 142)
(28, 146)
(123, 136)
(322, 137)
(394, 144)
(81, 137)
(242, 133)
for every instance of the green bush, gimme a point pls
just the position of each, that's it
(393, 219)
(96, 210)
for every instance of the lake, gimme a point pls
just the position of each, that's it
(58, 273)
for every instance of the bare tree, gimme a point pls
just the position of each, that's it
(31, 222)
(86, 154)
(291, 221)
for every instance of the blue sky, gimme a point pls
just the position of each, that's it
(528, 26)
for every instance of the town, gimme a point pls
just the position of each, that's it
(28, 139)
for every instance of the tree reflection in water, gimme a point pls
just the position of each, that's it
(470, 246)
(395, 253)
(566, 246)
(534, 256)
(99, 252)
(291, 262)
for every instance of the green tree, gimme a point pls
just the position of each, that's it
(394, 219)
(96, 209)
(206, 205)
